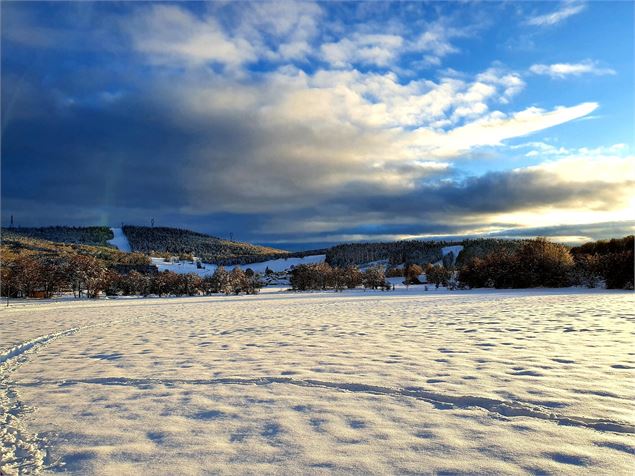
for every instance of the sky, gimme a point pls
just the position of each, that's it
(301, 125)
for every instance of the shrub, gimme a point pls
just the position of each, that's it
(322, 276)
(608, 260)
(536, 263)
(375, 278)
(411, 274)
(438, 275)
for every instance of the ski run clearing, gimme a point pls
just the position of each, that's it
(404, 382)
(119, 240)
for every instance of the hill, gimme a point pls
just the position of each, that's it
(83, 235)
(416, 251)
(167, 242)
(18, 243)
(393, 253)
(160, 241)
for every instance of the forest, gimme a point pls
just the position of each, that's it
(32, 267)
(83, 235)
(323, 276)
(481, 247)
(159, 241)
(162, 241)
(411, 251)
(415, 251)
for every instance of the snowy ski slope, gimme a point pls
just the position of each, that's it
(120, 241)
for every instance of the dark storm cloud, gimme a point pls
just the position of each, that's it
(456, 208)
(146, 149)
(494, 192)
(497, 192)
(96, 157)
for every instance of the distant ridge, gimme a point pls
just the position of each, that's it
(183, 243)
(417, 251)
(79, 235)
(158, 241)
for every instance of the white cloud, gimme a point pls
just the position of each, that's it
(168, 34)
(562, 70)
(613, 166)
(284, 33)
(326, 134)
(292, 138)
(579, 166)
(283, 139)
(510, 82)
(493, 129)
(542, 149)
(282, 30)
(436, 41)
(380, 50)
(383, 49)
(566, 10)
(275, 31)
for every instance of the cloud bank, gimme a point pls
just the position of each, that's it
(285, 122)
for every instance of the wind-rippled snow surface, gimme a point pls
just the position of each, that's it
(356, 383)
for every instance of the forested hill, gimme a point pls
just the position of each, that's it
(16, 243)
(78, 235)
(159, 241)
(179, 242)
(415, 251)
(393, 253)
(165, 241)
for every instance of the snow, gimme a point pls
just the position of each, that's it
(455, 250)
(282, 264)
(383, 263)
(120, 241)
(452, 249)
(511, 382)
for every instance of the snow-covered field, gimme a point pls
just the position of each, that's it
(282, 264)
(370, 383)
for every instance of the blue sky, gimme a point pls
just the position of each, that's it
(306, 124)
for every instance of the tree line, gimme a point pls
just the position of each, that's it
(434, 274)
(168, 283)
(84, 235)
(28, 275)
(481, 247)
(409, 251)
(323, 276)
(541, 263)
